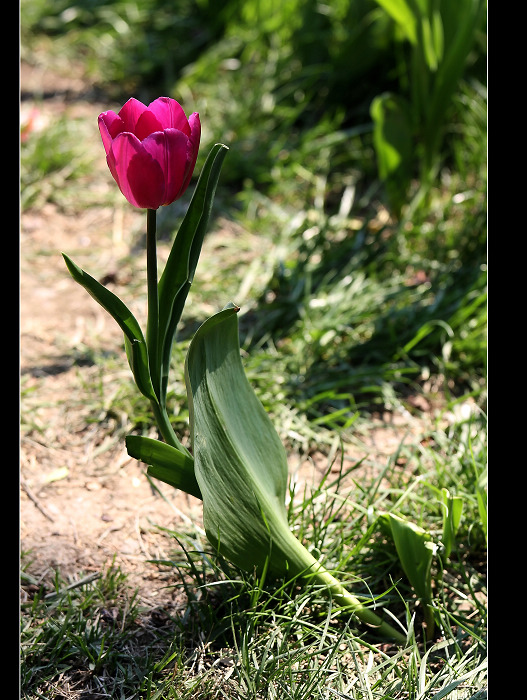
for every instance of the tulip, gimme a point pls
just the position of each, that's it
(238, 465)
(151, 151)
(239, 470)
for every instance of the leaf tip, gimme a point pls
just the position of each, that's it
(233, 306)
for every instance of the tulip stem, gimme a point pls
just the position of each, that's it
(152, 331)
(152, 334)
(165, 428)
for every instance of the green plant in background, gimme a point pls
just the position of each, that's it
(440, 34)
(416, 551)
(452, 510)
(318, 69)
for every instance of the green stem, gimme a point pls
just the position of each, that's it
(152, 328)
(166, 429)
(152, 334)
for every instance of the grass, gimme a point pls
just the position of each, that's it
(50, 161)
(348, 314)
(235, 635)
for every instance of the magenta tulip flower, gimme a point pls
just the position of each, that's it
(151, 151)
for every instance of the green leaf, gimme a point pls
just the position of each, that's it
(432, 40)
(437, 33)
(452, 508)
(403, 14)
(166, 463)
(393, 141)
(241, 468)
(416, 551)
(481, 496)
(240, 462)
(460, 21)
(135, 344)
(180, 267)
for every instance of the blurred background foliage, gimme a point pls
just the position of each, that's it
(284, 81)
(357, 131)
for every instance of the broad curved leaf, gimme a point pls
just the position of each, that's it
(240, 462)
(241, 468)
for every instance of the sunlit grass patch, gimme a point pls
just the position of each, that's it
(52, 160)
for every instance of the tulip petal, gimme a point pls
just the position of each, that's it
(109, 122)
(193, 148)
(170, 114)
(147, 124)
(130, 113)
(139, 176)
(169, 149)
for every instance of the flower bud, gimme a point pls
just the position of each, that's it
(151, 151)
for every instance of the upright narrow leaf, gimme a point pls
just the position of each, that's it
(180, 267)
(452, 508)
(459, 24)
(481, 496)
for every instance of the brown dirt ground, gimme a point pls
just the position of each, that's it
(84, 503)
